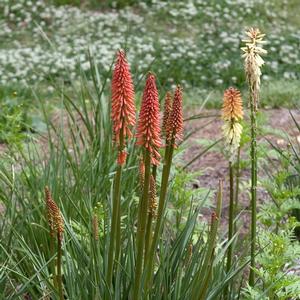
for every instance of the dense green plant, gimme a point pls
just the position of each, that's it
(78, 166)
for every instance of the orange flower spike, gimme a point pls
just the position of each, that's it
(148, 130)
(167, 112)
(123, 108)
(175, 127)
(232, 105)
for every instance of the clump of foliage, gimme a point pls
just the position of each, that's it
(79, 167)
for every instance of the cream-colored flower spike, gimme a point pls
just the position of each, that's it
(232, 132)
(232, 114)
(253, 60)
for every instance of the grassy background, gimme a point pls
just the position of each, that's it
(194, 43)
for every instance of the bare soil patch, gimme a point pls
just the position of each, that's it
(214, 166)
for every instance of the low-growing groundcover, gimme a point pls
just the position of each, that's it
(192, 42)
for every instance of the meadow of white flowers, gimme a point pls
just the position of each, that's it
(193, 41)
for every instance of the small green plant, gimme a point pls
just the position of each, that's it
(278, 255)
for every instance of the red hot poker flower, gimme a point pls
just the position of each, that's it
(233, 105)
(175, 123)
(123, 108)
(148, 130)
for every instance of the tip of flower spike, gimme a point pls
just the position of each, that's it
(175, 123)
(254, 34)
(123, 107)
(253, 61)
(148, 130)
(232, 105)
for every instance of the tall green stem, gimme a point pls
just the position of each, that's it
(52, 266)
(115, 236)
(59, 276)
(141, 229)
(253, 186)
(231, 216)
(148, 237)
(114, 225)
(237, 184)
(160, 213)
(118, 234)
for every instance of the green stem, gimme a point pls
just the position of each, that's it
(52, 266)
(237, 184)
(141, 228)
(154, 169)
(114, 226)
(149, 224)
(118, 203)
(253, 187)
(160, 214)
(118, 233)
(59, 277)
(148, 237)
(231, 217)
(230, 226)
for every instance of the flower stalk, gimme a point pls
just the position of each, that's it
(231, 217)
(151, 213)
(148, 137)
(232, 114)
(123, 118)
(253, 63)
(237, 183)
(173, 132)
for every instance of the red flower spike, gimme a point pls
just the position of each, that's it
(167, 112)
(148, 130)
(175, 124)
(122, 155)
(123, 108)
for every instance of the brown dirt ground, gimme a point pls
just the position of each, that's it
(215, 166)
